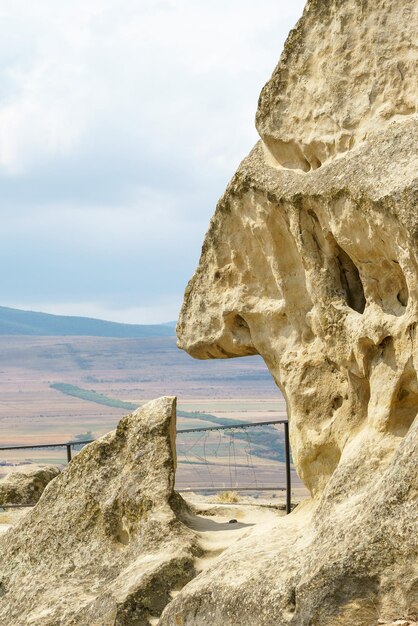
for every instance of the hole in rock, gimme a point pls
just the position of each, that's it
(337, 402)
(346, 276)
(315, 163)
(292, 600)
(313, 215)
(350, 281)
(404, 407)
(122, 536)
(386, 352)
(386, 344)
(238, 341)
(403, 296)
(396, 279)
(240, 322)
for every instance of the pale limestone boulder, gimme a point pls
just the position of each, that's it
(26, 487)
(104, 545)
(311, 262)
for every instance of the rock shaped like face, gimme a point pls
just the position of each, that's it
(315, 268)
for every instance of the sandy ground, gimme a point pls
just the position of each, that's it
(220, 525)
(212, 520)
(217, 525)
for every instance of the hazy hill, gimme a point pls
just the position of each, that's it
(18, 322)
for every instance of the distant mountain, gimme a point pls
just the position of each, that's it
(18, 322)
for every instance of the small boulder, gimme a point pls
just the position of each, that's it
(26, 487)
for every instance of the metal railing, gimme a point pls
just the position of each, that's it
(285, 423)
(69, 445)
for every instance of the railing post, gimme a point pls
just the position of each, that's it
(68, 453)
(288, 476)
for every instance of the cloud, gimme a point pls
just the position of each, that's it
(156, 71)
(120, 124)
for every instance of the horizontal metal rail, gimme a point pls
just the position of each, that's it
(70, 444)
(179, 432)
(216, 489)
(229, 427)
(48, 445)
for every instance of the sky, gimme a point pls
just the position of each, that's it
(121, 122)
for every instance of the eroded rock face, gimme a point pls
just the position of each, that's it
(104, 545)
(26, 487)
(347, 69)
(311, 262)
(346, 559)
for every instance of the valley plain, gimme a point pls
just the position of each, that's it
(135, 370)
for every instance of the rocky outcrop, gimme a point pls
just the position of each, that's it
(104, 545)
(348, 558)
(347, 70)
(26, 487)
(311, 262)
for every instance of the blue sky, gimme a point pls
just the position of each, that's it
(121, 122)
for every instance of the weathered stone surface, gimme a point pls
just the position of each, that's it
(347, 69)
(104, 545)
(26, 487)
(311, 262)
(345, 559)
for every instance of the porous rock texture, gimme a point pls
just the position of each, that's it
(26, 487)
(104, 545)
(311, 262)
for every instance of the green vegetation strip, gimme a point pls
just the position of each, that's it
(92, 396)
(266, 441)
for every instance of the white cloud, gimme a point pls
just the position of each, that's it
(120, 123)
(153, 219)
(168, 73)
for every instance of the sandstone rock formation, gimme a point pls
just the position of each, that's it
(311, 262)
(26, 487)
(104, 545)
